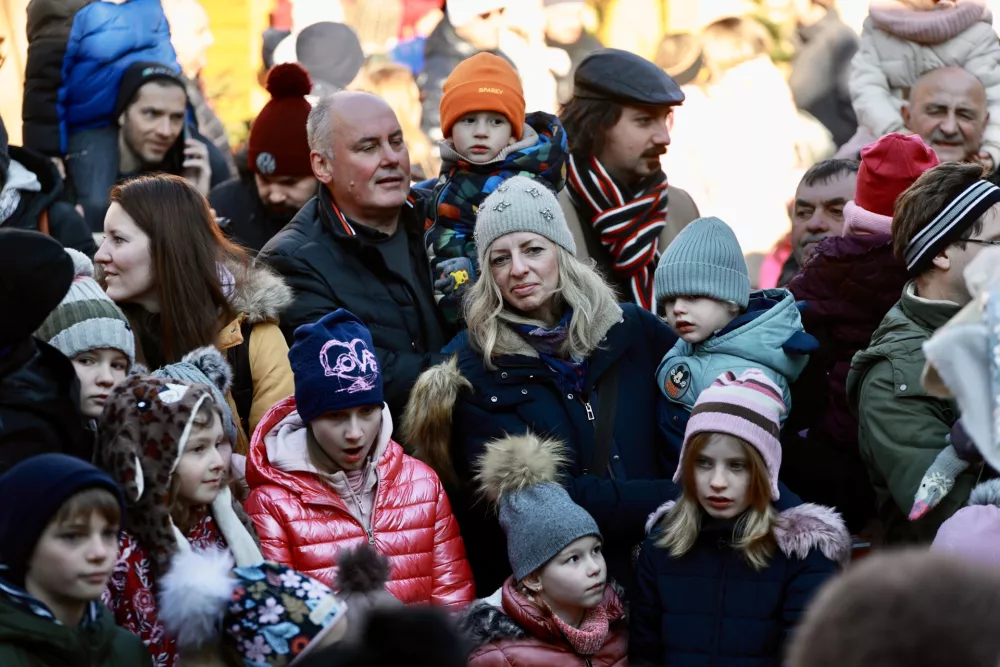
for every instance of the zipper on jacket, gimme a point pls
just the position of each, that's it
(727, 552)
(590, 410)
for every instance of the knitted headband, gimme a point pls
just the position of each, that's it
(949, 225)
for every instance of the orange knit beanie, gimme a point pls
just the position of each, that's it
(484, 82)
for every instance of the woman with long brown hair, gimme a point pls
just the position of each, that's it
(183, 286)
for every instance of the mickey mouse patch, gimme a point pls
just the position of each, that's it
(678, 381)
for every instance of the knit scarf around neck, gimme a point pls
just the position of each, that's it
(592, 633)
(548, 343)
(628, 223)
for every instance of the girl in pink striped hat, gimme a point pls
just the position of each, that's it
(724, 576)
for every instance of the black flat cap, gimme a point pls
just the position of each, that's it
(623, 77)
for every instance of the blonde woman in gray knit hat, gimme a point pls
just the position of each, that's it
(548, 351)
(703, 289)
(557, 608)
(94, 334)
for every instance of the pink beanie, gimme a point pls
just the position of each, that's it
(973, 532)
(889, 166)
(748, 407)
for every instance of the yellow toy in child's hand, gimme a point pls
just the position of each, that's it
(461, 277)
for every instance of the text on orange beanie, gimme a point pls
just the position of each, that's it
(484, 82)
(278, 144)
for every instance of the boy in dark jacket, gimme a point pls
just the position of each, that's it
(59, 524)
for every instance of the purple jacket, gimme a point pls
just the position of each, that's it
(848, 284)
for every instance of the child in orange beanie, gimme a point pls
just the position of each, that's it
(488, 139)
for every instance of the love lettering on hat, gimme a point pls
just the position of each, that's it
(355, 364)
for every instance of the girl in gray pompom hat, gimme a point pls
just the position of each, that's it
(558, 607)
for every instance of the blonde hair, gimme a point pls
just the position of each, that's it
(180, 511)
(395, 84)
(580, 288)
(755, 528)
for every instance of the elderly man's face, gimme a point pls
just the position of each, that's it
(948, 111)
(370, 168)
(818, 212)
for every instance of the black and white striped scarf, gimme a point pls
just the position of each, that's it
(628, 224)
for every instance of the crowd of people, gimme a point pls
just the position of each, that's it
(481, 387)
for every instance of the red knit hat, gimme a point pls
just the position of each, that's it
(888, 167)
(484, 82)
(278, 144)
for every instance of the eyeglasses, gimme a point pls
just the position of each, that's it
(980, 242)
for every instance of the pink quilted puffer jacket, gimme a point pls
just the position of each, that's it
(303, 523)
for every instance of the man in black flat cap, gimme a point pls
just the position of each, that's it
(616, 197)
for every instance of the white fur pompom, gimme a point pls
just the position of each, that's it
(82, 265)
(194, 595)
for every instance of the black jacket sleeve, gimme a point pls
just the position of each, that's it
(48, 27)
(69, 228)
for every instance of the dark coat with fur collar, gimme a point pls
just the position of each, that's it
(458, 407)
(710, 607)
(510, 633)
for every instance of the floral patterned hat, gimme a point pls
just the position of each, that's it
(267, 614)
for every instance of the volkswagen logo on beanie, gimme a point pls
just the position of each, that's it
(335, 367)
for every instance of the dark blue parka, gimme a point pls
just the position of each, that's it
(524, 395)
(711, 608)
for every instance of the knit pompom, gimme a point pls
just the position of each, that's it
(194, 595)
(515, 462)
(288, 80)
(82, 265)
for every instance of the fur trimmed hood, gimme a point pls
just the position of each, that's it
(259, 293)
(799, 530)
(427, 418)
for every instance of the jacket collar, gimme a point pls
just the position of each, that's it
(278, 455)
(340, 226)
(927, 314)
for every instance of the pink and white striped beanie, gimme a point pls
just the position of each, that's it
(748, 407)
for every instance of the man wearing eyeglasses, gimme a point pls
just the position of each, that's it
(940, 224)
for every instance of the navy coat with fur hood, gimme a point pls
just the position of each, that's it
(711, 608)
(457, 407)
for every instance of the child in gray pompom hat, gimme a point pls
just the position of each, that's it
(558, 602)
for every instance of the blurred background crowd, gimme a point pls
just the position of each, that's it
(766, 81)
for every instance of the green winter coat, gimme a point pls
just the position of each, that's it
(32, 641)
(902, 428)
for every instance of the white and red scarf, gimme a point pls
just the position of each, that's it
(628, 224)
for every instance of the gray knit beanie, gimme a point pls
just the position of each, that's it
(705, 259)
(87, 319)
(207, 366)
(536, 513)
(521, 204)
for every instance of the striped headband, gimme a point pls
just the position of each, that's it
(949, 225)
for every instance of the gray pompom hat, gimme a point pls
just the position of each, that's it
(519, 473)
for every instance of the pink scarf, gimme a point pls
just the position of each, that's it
(592, 633)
